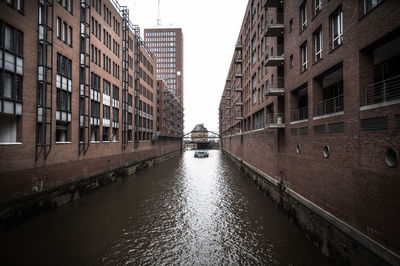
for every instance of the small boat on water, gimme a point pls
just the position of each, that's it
(201, 154)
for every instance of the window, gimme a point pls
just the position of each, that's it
(20, 5)
(254, 86)
(254, 48)
(318, 45)
(317, 6)
(303, 52)
(11, 69)
(63, 103)
(58, 28)
(64, 84)
(291, 25)
(115, 92)
(370, 4)
(303, 16)
(70, 36)
(106, 131)
(65, 32)
(291, 60)
(106, 87)
(70, 6)
(106, 112)
(337, 28)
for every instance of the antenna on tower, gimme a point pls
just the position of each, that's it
(158, 17)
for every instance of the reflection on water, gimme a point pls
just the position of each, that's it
(184, 211)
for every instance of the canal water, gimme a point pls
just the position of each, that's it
(185, 211)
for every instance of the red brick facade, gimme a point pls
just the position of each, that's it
(324, 103)
(119, 94)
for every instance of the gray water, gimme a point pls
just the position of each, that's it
(184, 211)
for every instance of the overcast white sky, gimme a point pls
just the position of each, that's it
(210, 29)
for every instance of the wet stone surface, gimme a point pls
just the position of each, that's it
(186, 211)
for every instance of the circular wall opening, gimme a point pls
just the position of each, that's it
(327, 151)
(298, 148)
(391, 157)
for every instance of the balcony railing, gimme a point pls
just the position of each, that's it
(238, 116)
(275, 56)
(275, 87)
(384, 91)
(330, 106)
(274, 27)
(238, 73)
(275, 120)
(299, 114)
(238, 46)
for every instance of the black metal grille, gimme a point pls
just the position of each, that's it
(374, 123)
(397, 121)
(294, 131)
(319, 129)
(303, 131)
(336, 127)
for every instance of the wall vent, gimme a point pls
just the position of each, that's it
(303, 131)
(397, 121)
(336, 127)
(294, 131)
(319, 129)
(374, 123)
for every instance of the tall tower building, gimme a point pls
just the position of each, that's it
(167, 46)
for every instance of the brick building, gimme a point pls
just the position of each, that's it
(77, 93)
(199, 133)
(167, 46)
(312, 100)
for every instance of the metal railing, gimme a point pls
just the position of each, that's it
(275, 119)
(299, 114)
(329, 106)
(383, 91)
(275, 51)
(276, 82)
(275, 19)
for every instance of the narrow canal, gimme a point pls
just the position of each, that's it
(182, 211)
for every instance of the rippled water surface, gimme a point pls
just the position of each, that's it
(185, 211)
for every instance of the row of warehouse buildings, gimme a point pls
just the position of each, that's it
(81, 93)
(311, 106)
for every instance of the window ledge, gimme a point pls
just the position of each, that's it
(334, 49)
(94, 141)
(328, 115)
(298, 121)
(316, 14)
(63, 142)
(115, 141)
(10, 143)
(106, 141)
(301, 72)
(316, 62)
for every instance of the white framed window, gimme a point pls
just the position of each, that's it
(318, 45)
(317, 6)
(303, 52)
(58, 28)
(70, 36)
(337, 28)
(303, 16)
